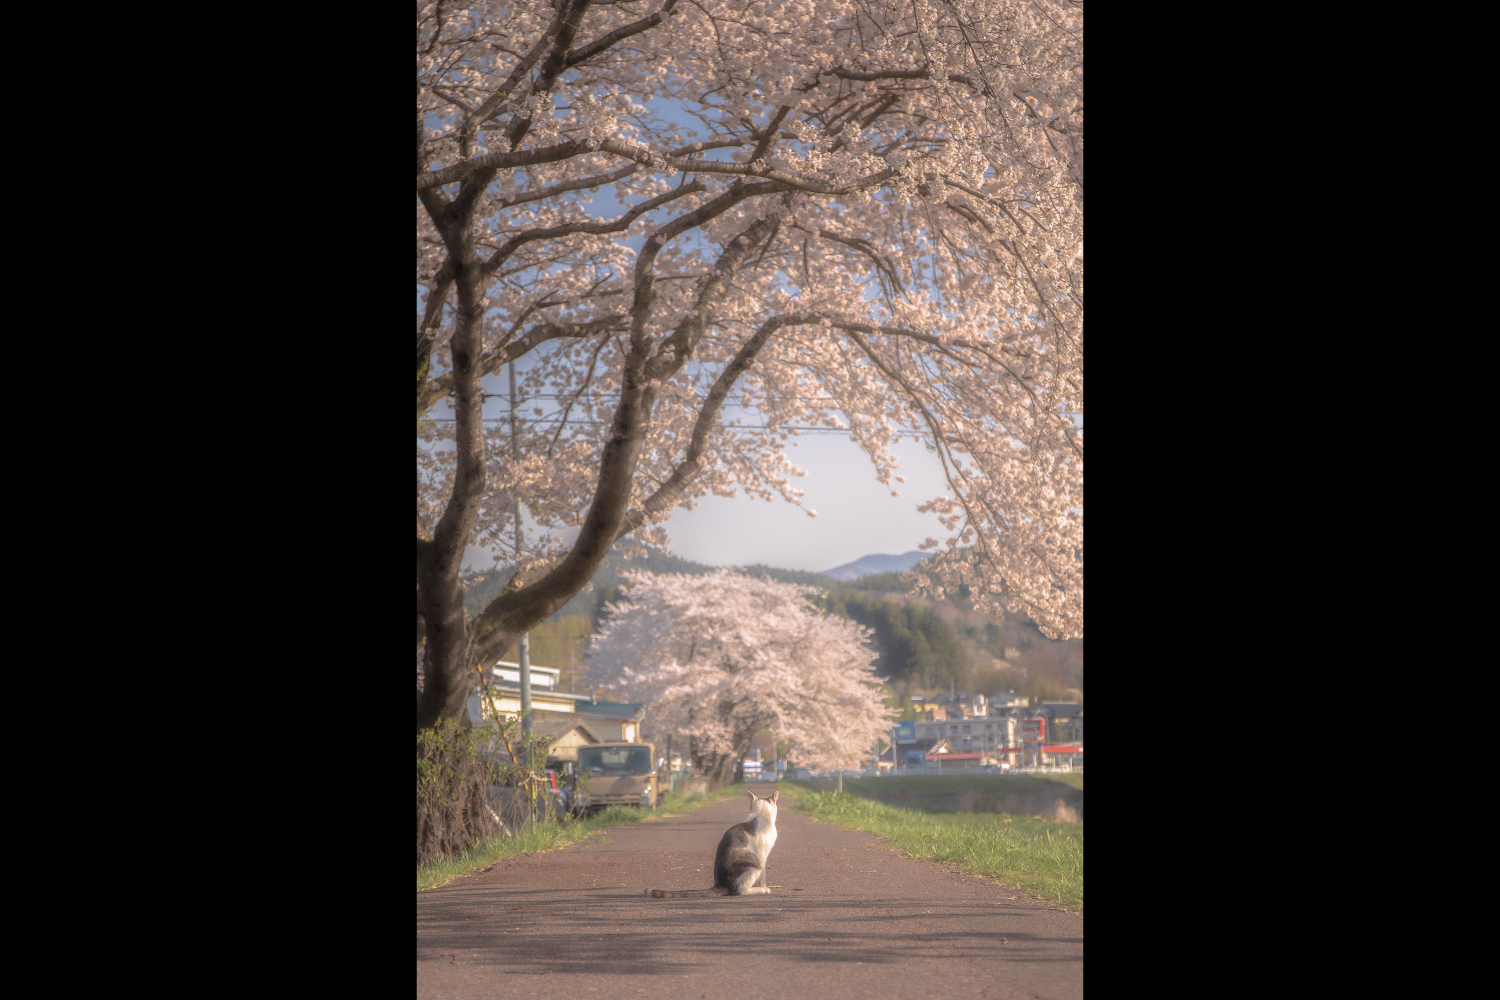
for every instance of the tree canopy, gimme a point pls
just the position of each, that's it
(873, 223)
(723, 656)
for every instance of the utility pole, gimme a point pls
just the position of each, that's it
(524, 645)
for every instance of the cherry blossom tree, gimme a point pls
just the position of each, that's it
(863, 215)
(837, 724)
(722, 656)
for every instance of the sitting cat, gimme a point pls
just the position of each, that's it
(741, 858)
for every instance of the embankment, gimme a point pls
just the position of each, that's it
(1006, 794)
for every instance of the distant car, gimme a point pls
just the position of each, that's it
(617, 774)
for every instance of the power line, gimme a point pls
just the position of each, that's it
(613, 395)
(602, 423)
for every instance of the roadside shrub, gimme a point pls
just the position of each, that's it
(452, 780)
(473, 784)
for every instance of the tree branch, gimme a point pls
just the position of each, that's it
(769, 135)
(533, 338)
(500, 161)
(599, 180)
(593, 228)
(641, 155)
(868, 249)
(492, 104)
(499, 623)
(645, 278)
(555, 64)
(682, 340)
(603, 42)
(689, 469)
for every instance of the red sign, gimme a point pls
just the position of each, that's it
(1063, 748)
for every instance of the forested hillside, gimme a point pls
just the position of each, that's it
(924, 645)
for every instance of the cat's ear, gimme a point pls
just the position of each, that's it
(776, 795)
(752, 797)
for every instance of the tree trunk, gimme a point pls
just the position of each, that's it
(718, 768)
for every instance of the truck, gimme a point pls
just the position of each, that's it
(618, 773)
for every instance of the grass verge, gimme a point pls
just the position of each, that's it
(1041, 858)
(1014, 794)
(552, 835)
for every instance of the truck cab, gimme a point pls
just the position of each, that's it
(618, 773)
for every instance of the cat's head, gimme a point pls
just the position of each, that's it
(764, 806)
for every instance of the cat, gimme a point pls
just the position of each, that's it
(741, 859)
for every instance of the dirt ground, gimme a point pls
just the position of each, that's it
(846, 917)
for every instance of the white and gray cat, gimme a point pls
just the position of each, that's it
(741, 859)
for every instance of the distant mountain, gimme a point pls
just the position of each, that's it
(867, 565)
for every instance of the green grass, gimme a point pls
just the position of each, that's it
(1012, 794)
(1041, 858)
(552, 835)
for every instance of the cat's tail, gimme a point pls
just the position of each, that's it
(683, 893)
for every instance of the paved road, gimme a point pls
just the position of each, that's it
(849, 919)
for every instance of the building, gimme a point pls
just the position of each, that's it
(607, 721)
(1064, 721)
(1008, 699)
(928, 709)
(566, 736)
(1064, 740)
(613, 720)
(962, 705)
(968, 735)
(908, 753)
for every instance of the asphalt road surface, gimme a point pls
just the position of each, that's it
(846, 917)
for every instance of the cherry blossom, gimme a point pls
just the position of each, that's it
(723, 656)
(874, 224)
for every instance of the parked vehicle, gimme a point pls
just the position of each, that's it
(617, 773)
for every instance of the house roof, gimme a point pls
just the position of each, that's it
(1060, 709)
(913, 746)
(555, 729)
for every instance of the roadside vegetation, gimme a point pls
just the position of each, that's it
(553, 834)
(968, 793)
(1041, 858)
